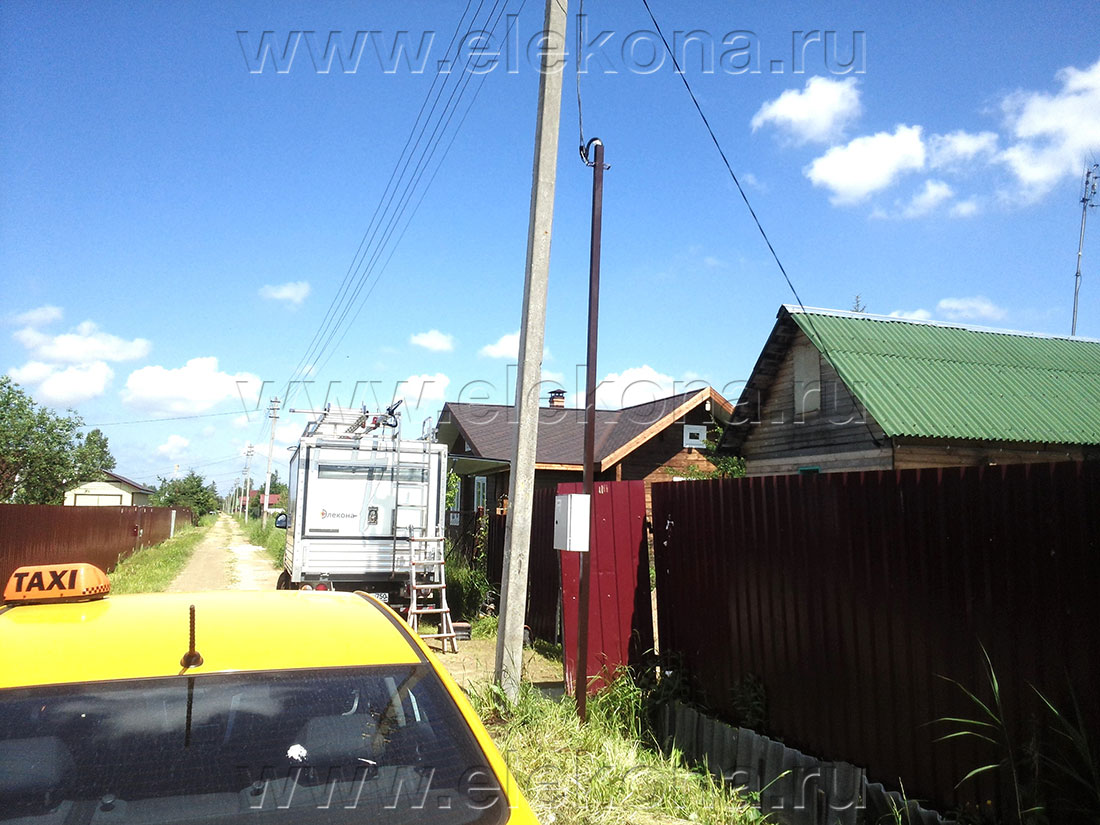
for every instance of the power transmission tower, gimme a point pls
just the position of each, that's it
(273, 410)
(248, 480)
(1087, 196)
(517, 530)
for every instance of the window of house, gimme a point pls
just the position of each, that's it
(481, 492)
(807, 378)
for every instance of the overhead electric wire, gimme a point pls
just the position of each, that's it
(154, 420)
(423, 191)
(353, 266)
(371, 267)
(729, 168)
(387, 216)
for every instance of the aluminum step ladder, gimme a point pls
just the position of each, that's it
(428, 590)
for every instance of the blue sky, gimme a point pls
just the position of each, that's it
(179, 209)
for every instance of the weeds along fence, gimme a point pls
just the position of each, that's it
(43, 534)
(827, 608)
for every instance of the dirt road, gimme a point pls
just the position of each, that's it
(224, 560)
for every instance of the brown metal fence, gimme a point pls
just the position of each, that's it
(41, 534)
(543, 569)
(849, 596)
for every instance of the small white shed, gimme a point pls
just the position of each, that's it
(113, 491)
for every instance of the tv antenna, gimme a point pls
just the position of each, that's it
(1088, 195)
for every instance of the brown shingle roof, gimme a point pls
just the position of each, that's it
(490, 429)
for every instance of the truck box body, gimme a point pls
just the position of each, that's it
(357, 504)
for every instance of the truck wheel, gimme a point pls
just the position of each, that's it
(284, 581)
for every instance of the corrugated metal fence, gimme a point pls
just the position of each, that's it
(543, 571)
(41, 534)
(849, 595)
(620, 614)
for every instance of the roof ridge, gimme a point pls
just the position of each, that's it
(794, 309)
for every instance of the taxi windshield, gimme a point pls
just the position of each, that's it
(369, 744)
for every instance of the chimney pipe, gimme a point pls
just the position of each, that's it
(557, 399)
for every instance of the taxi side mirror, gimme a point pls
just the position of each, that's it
(280, 521)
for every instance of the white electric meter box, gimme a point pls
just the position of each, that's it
(571, 522)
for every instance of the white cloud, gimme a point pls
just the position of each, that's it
(417, 389)
(868, 164)
(434, 340)
(960, 147)
(934, 193)
(964, 209)
(293, 292)
(818, 113)
(978, 308)
(174, 447)
(209, 430)
(83, 345)
(39, 316)
(64, 385)
(914, 315)
(195, 387)
(1054, 133)
(636, 385)
(288, 433)
(507, 346)
(241, 421)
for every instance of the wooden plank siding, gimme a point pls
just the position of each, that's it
(910, 454)
(663, 456)
(838, 436)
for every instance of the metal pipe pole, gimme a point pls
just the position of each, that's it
(517, 531)
(584, 596)
(1086, 201)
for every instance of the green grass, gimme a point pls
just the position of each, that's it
(602, 772)
(151, 570)
(271, 538)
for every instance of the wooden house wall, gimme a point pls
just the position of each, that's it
(838, 436)
(664, 456)
(911, 454)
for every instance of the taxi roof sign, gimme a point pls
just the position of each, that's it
(56, 583)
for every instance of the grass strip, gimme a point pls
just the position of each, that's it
(270, 538)
(151, 570)
(601, 773)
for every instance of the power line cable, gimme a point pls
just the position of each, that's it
(154, 420)
(729, 168)
(369, 268)
(352, 267)
(410, 192)
(347, 295)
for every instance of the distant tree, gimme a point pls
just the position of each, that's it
(278, 488)
(190, 491)
(43, 454)
(858, 305)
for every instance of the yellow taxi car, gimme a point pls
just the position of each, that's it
(232, 707)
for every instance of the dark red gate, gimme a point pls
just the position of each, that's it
(620, 616)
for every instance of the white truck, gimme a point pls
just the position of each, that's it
(361, 498)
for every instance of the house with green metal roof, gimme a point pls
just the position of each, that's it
(834, 391)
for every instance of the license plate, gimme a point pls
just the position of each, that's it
(384, 596)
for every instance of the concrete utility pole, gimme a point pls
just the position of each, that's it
(248, 480)
(517, 530)
(274, 411)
